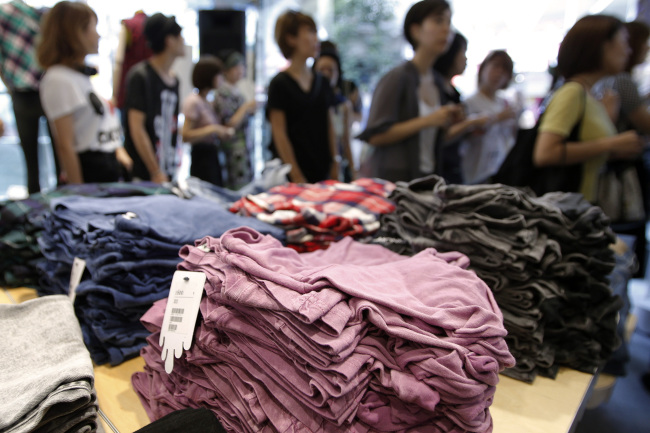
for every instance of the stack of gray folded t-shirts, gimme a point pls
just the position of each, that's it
(46, 379)
(547, 260)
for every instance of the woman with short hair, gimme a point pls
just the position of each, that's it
(202, 127)
(298, 105)
(409, 113)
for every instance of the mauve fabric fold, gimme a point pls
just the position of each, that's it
(353, 338)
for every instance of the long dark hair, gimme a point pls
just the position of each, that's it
(444, 63)
(581, 50)
(326, 51)
(638, 32)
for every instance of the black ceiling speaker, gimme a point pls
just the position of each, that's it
(222, 29)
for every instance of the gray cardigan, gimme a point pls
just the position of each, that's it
(395, 100)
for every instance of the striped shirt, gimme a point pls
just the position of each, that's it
(19, 26)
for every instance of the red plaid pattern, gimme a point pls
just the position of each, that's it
(321, 213)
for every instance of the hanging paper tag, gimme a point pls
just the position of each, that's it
(180, 315)
(78, 267)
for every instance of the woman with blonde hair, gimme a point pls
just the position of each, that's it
(85, 126)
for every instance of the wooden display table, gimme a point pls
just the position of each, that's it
(546, 406)
(117, 399)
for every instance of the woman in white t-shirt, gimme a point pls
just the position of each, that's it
(86, 128)
(483, 151)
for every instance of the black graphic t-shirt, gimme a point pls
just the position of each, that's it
(147, 92)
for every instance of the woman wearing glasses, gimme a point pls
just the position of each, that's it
(86, 128)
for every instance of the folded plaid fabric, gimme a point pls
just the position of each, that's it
(315, 215)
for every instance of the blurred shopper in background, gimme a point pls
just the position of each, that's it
(451, 64)
(595, 47)
(152, 103)
(298, 105)
(21, 74)
(86, 128)
(483, 151)
(328, 64)
(202, 127)
(409, 112)
(234, 111)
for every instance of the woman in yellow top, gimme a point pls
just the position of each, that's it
(595, 47)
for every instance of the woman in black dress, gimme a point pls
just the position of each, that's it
(298, 105)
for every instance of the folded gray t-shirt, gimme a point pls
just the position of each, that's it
(45, 369)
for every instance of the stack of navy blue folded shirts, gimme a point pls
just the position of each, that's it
(130, 247)
(21, 223)
(546, 259)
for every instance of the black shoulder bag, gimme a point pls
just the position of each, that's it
(566, 178)
(518, 169)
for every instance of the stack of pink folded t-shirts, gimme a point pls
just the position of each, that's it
(355, 338)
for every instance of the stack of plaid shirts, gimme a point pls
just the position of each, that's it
(315, 215)
(354, 338)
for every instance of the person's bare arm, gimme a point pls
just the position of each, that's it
(399, 131)
(467, 125)
(244, 110)
(143, 145)
(334, 149)
(354, 99)
(119, 61)
(283, 144)
(348, 114)
(63, 130)
(192, 134)
(124, 158)
(550, 148)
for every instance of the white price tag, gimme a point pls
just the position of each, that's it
(78, 267)
(180, 315)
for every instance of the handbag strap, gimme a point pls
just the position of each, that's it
(575, 132)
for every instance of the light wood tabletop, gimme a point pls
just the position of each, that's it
(546, 406)
(117, 399)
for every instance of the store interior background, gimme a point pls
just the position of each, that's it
(368, 33)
